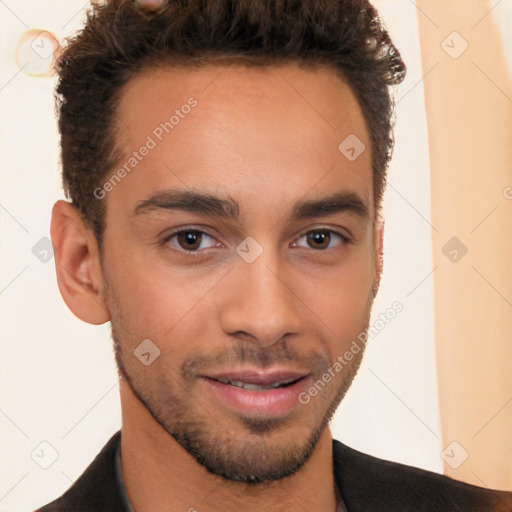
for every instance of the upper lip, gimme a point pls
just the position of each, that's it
(260, 377)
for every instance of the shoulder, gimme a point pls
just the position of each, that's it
(372, 484)
(96, 488)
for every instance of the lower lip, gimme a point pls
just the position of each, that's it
(269, 401)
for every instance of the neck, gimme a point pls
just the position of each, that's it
(160, 475)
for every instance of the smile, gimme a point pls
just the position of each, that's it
(257, 387)
(256, 392)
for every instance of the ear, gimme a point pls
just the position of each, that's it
(378, 243)
(77, 263)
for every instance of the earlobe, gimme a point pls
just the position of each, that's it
(77, 264)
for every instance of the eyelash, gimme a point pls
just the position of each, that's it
(345, 240)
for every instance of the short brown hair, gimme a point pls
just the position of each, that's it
(119, 40)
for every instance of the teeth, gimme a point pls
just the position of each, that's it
(253, 387)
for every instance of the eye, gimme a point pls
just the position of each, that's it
(195, 240)
(190, 240)
(321, 239)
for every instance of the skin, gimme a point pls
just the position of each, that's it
(267, 138)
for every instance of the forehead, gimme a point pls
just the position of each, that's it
(257, 133)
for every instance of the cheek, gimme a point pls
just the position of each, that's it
(156, 302)
(342, 299)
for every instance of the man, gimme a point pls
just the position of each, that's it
(226, 163)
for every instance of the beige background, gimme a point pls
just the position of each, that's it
(469, 112)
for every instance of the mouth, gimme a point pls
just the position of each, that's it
(253, 391)
(258, 387)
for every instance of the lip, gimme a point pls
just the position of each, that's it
(256, 376)
(276, 401)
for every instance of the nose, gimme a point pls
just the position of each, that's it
(259, 303)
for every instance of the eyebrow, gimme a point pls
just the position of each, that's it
(227, 208)
(336, 203)
(190, 201)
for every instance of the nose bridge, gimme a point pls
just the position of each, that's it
(260, 302)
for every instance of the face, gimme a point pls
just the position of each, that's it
(239, 258)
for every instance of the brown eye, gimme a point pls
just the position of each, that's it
(319, 239)
(323, 239)
(190, 240)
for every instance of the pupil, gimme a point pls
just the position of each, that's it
(320, 238)
(190, 238)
